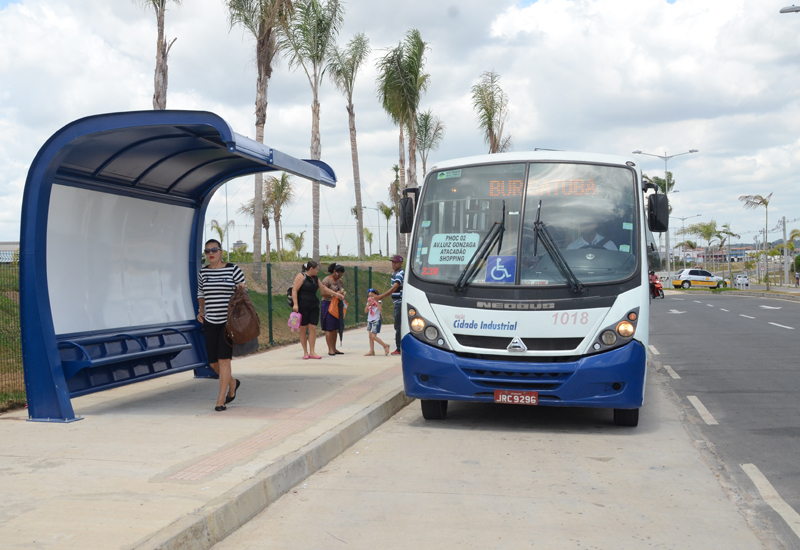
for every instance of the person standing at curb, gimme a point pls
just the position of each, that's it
(304, 296)
(330, 324)
(373, 309)
(398, 275)
(216, 283)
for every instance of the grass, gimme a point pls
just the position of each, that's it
(12, 383)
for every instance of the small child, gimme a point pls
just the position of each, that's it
(373, 310)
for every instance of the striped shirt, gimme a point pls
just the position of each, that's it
(216, 287)
(397, 277)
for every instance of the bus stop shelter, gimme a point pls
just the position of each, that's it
(111, 241)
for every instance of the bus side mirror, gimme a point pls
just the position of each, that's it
(658, 213)
(406, 207)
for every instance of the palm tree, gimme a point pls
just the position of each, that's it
(283, 193)
(704, 230)
(395, 188)
(249, 209)
(221, 230)
(491, 104)
(160, 79)
(401, 82)
(296, 241)
(754, 201)
(368, 235)
(387, 212)
(725, 235)
(430, 132)
(308, 39)
(343, 67)
(261, 18)
(691, 245)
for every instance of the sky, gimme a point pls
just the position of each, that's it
(603, 76)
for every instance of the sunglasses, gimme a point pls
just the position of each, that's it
(210, 250)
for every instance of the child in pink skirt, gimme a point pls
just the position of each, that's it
(373, 311)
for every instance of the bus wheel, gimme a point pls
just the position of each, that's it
(626, 417)
(433, 409)
(686, 284)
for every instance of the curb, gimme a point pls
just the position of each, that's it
(222, 516)
(751, 293)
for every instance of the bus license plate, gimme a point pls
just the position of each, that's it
(516, 397)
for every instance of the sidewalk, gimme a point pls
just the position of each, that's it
(152, 465)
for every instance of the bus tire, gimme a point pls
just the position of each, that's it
(626, 417)
(434, 409)
(686, 284)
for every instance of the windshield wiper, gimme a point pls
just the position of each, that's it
(539, 228)
(494, 236)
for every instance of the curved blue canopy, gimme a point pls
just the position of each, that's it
(96, 193)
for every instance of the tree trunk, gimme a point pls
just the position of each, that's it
(412, 155)
(316, 154)
(387, 238)
(160, 79)
(356, 180)
(401, 242)
(277, 215)
(265, 50)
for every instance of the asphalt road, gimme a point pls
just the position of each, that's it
(737, 359)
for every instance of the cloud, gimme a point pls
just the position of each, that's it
(592, 75)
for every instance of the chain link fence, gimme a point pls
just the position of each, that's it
(12, 382)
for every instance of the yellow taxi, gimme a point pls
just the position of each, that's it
(696, 277)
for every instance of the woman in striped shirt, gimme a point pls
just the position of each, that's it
(215, 285)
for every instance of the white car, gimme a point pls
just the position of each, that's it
(687, 278)
(742, 279)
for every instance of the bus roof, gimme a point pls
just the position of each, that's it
(527, 156)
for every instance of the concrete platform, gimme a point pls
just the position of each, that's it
(152, 465)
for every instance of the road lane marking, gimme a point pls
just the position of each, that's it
(676, 312)
(725, 310)
(782, 326)
(704, 414)
(743, 315)
(653, 349)
(678, 299)
(771, 497)
(698, 302)
(770, 307)
(672, 373)
(709, 305)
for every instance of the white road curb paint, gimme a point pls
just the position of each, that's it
(653, 349)
(672, 372)
(743, 315)
(782, 326)
(704, 414)
(771, 497)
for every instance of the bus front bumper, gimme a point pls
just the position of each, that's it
(614, 379)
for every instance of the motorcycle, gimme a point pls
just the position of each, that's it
(658, 290)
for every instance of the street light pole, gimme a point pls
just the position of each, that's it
(665, 158)
(683, 227)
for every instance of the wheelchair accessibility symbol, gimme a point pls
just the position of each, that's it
(501, 269)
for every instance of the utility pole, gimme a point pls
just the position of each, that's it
(785, 254)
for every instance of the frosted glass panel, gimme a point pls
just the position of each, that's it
(116, 262)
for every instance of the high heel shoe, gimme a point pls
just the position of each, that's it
(221, 408)
(229, 398)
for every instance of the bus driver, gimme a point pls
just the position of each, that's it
(590, 238)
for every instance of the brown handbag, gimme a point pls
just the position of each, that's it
(243, 324)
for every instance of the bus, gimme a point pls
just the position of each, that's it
(527, 282)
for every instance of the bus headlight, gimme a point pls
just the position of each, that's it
(417, 324)
(431, 333)
(608, 338)
(625, 329)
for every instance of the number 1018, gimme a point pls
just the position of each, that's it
(574, 318)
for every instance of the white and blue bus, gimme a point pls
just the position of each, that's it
(527, 282)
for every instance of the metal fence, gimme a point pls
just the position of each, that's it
(271, 305)
(12, 383)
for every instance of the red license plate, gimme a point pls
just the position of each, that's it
(516, 397)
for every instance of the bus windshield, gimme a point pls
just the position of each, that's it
(588, 210)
